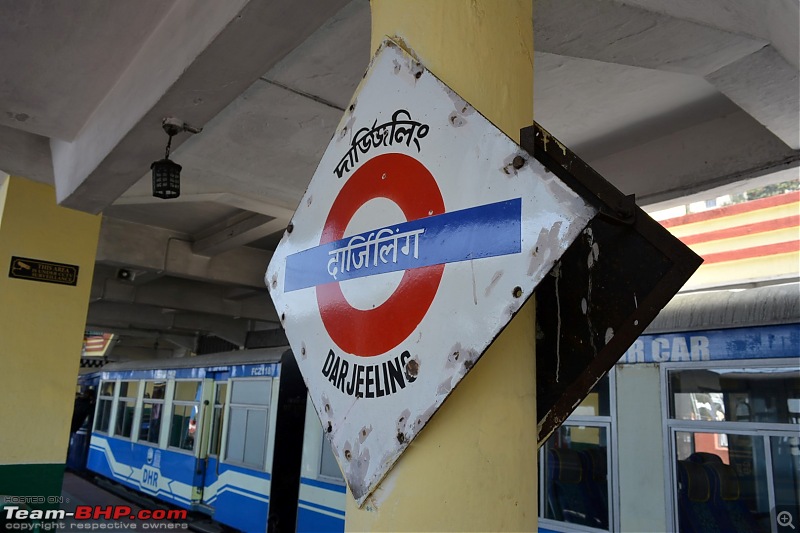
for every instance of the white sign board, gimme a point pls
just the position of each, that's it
(423, 231)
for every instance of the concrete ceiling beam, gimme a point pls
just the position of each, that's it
(141, 353)
(128, 337)
(776, 21)
(603, 30)
(137, 246)
(766, 86)
(199, 59)
(712, 154)
(132, 317)
(245, 203)
(238, 230)
(26, 155)
(241, 266)
(184, 295)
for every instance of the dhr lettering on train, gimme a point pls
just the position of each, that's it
(669, 349)
(367, 381)
(149, 477)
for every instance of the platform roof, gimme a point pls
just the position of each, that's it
(667, 99)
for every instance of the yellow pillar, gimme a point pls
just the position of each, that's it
(41, 331)
(473, 467)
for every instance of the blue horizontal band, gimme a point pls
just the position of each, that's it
(475, 233)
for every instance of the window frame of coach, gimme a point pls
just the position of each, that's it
(765, 432)
(328, 468)
(238, 406)
(579, 421)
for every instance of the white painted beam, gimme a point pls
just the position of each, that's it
(184, 295)
(137, 246)
(239, 230)
(123, 316)
(776, 21)
(712, 154)
(766, 86)
(204, 54)
(612, 32)
(254, 204)
(26, 155)
(141, 353)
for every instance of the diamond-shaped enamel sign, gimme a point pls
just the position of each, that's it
(423, 231)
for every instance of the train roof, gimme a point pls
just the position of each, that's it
(762, 306)
(239, 357)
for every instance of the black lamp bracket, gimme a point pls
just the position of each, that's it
(173, 126)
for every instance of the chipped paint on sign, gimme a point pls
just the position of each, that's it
(428, 231)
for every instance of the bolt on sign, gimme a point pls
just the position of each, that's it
(423, 231)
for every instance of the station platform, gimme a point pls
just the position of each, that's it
(78, 492)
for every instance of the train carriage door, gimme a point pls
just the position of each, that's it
(288, 447)
(211, 430)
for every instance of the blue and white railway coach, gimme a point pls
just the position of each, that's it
(228, 435)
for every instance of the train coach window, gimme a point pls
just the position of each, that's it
(152, 409)
(125, 408)
(185, 407)
(721, 488)
(248, 422)
(734, 443)
(575, 491)
(736, 395)
(576, 476)
(104, 402)
(785, 452)
(328, 467)
(216, 417)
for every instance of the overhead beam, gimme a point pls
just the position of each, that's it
(605, 30)
(202, 56)
(256, 205)
(122, 316)
(185, 295)
(138, 246)
(712, 154)
(239, 230)
(25, 154)
(139, 337)
(139, 353)
(775, 21)
(766, 86)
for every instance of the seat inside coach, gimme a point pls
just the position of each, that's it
(578, 487)
(709, 497)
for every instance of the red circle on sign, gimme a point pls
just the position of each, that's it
(366, 333)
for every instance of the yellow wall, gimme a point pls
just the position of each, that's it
(41, 324)
(473, 467)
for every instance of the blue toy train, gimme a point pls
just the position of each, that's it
(230, 435)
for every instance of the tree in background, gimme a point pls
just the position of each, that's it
(766, 191)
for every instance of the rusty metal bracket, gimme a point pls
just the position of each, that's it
(579, 176)
(617, 276)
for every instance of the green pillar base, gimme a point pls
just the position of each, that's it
(39, 484)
